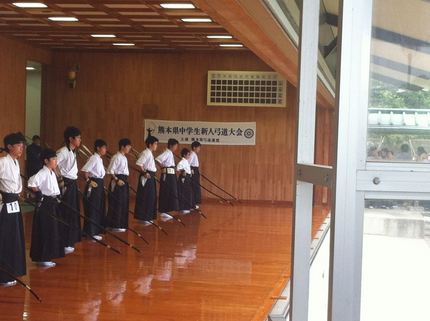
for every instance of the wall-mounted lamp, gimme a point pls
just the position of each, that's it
(72, 75)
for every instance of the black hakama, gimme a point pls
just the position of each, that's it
(146, 199)
(195, 183)
(46, 241)
(71, 235)
(12, 243)
(168, 197)
(94, 207)
(118, 196)
(185, 193)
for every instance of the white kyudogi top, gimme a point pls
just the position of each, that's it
(194, 160)
(10, 179)
(146, 161)
(66, 162)
(184, 165)
(166, 159)
(45, 181)
(94, 166)
(118, 165)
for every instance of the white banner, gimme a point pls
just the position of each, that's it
(208, 133)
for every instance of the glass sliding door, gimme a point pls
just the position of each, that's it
(379, 258)
(396, 247)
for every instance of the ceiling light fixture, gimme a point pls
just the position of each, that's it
(219, 37)
(123, 44)
(231, 45)
(196, 20)
(177, 5)
(30, 68)
(29, 5)
(63, 19)
(103, 36)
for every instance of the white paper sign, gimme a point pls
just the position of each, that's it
(12, 207)
(208, 133)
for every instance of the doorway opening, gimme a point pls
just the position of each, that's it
(33, 98)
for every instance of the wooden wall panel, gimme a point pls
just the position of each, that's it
(324, 150)
(115, 92)
(13, 80)
(13, 60)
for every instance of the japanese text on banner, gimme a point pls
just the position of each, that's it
(209, 133)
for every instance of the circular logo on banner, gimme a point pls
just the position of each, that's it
(249, 133)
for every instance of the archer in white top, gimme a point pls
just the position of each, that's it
(66, 162)
(45, 181)
(194, 159)
(166, 159)
(94, 166)
(10, 179)
(118, 165)
(184, 165)
(146, 161)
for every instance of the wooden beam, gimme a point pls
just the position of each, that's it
(254, 25)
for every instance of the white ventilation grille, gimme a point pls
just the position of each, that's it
(246, 88)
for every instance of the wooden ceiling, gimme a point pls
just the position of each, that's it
(143, 23)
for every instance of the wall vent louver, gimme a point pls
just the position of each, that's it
(246, 89)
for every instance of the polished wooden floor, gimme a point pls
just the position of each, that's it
(228, 267)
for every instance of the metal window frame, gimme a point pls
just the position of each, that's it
(303, 190)
(352, 178)
(350, 155)
(352, 93)
(356, 178)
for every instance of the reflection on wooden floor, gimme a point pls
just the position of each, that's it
(227, 267)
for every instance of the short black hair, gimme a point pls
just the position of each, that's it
(12, 139)
(71, 132)
(150, 140)
(35, 137)
(185, 152)
(405, 148)
(99, 143)
(172, 142)
(195, 144)
(124, 142)
(371, 150)
(47, 153)
(421, 150)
